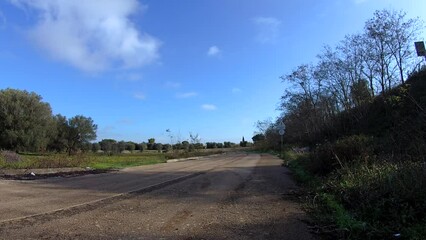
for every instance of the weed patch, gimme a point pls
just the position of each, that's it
(377, 200)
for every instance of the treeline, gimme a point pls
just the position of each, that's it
(28, 125)
(112, 146)
(346, 77)
(360, 112)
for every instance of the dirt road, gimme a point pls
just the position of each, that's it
(233, 196)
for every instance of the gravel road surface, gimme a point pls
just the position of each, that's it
(232, 196)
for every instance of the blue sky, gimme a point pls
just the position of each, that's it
(137, 68)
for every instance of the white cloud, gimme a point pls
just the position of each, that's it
(139, 96)
(208, 107)
(268, 29)
(236, 90)
(213, 51)
(91, 35)
(186, 95)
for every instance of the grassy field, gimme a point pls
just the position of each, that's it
(92, 160)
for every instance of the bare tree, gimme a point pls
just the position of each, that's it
(390, 37)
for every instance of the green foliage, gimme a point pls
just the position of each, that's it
(73, 134)
(243, 143)
(368, 134)
(388, 196)
(96, 161)
(25, 121)
(367, 200)
(344, 152)
(127, 160)
(298, 164)
(331, 210)
(109, 146)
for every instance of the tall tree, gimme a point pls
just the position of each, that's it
(73, 134)
(60, 141)
(401, 33)
(81, 130)
(25, 121)
(391, 37)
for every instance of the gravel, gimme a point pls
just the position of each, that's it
(239, 200)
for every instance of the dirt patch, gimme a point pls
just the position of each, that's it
(47, 173)
(242, 199)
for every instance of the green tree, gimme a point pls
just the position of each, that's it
(167, 147)
(227, 144)
(25, 121)
(258, 138)
(185, 145)
(131, 146)
(151, 144)
(109, 146)
(81, 130)
(143, 146)
(59, 142)
(122, 146)
(243, 143)
(96, 147)
(158, 147)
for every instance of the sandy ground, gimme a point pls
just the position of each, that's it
(235, 196)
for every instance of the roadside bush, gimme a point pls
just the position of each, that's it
(344, 152)
(390, 197)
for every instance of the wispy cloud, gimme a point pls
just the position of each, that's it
(208, 107)
(236, 90)
(186, 95)
(213, 51)
(139, 96)
(91, 35)
(170, 84)
(268, 29)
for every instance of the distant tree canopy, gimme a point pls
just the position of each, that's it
(243, 143)
(27, 125)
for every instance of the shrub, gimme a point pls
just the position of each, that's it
(388, 196)
(10, 157)
(344, 152)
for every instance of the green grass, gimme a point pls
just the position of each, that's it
(123, 161)
(97, 161)
(298, 162)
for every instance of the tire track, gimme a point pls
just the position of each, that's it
(20, 222)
